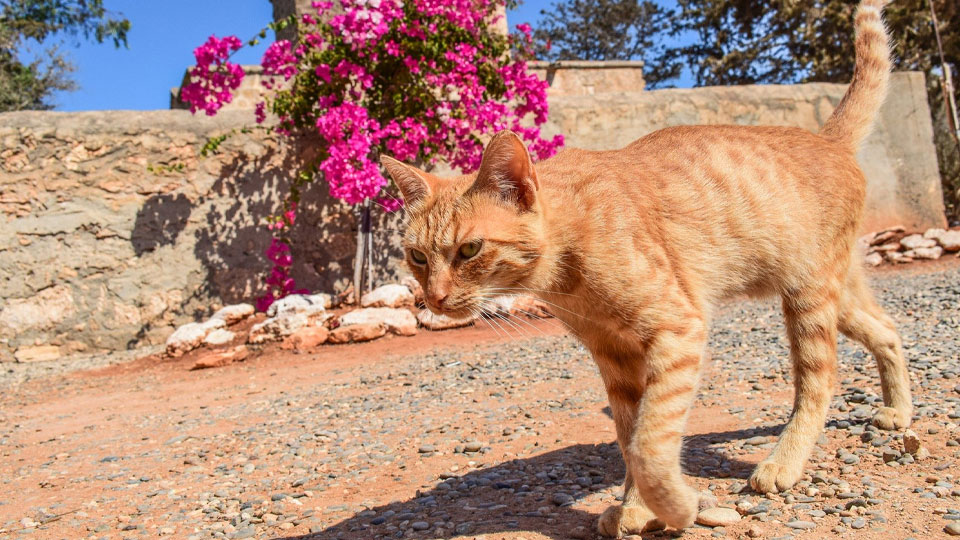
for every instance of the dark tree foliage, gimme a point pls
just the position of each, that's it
(608, 30)
(29, 85)
(784, 41)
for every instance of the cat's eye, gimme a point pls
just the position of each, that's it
(418, 256)
(470, 249)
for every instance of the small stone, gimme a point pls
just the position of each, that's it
(427, 448)
(858, 523)
(718, 517)
(185, 339)
(911, 442)
(873, 259)
(214, 359)
(432, 321)
(801, 525)
(397, 321)
(219, 336)
(306, 338)
(930, 253)
(356, 333)
(915, 241)
(389, 296)
(234, 314)
(40, 353)
(950, 240)
(300, 303)
(561, 499)
(472, 446)
(952, 529)
(246, 532)
(755, 532)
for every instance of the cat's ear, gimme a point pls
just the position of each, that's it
(414, 184)
(506, 169)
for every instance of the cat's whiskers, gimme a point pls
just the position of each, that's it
(551, 304)
(492, 311)
(495, 312)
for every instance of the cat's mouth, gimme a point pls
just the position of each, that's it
(460, 312)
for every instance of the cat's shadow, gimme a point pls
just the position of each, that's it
(507, 497)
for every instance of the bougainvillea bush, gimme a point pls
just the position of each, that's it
(422, 80)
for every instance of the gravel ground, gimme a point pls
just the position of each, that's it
(485, 440)
(15, 374)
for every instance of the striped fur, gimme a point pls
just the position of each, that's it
(633, 247)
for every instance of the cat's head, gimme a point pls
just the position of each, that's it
(471, 238)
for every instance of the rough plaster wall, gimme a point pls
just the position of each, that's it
(114, 229)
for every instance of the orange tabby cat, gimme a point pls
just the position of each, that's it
(634, 246)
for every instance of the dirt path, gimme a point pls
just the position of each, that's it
(466, 434)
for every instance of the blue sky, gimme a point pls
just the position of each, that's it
(163, 36)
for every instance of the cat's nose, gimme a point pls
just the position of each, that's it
(437, 299)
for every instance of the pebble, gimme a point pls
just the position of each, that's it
(246, 532)
(718, 517)
(952, 529)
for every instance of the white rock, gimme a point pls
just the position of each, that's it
(432, 321)
(950, 240)
(389, 296)
(397, 321)
(873, 259)
(931, 253)
(234, 314)
(219, 336)
(213, 324)
(911, 441)
(281, 326)
(915, 241)
(933, 234)
(300, 303)
(38, 353)
(186, 338)
(718, 517)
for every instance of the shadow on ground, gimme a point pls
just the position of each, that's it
(523, 494)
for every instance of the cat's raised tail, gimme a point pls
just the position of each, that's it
(851, 121)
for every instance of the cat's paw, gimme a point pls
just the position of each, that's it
(619, 521)
(678, 507)
(890, 419)
(770, 476)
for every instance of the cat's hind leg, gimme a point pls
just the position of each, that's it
(811, 317)
(624, 389)
(862, 320)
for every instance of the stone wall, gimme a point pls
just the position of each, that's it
(585, 78)
(115, 229)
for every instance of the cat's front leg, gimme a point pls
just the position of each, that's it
(624, 389)
(672, 362)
